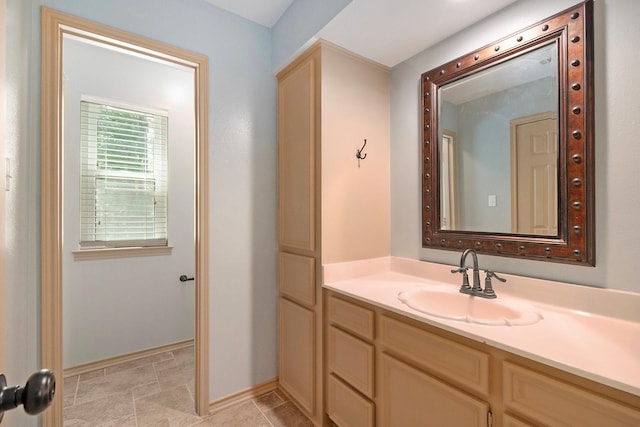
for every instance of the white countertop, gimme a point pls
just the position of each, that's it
(602, 345)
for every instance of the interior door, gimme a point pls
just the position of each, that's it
(3, 78)
(535, 209)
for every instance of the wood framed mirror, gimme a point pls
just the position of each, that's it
(521, 110)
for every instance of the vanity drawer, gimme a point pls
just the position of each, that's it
(351, 317)
(352, 360)
(452, 361)
(297, 277)
(347, 408)
(553, 402)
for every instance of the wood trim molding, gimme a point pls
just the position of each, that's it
(110, 361)
(54, 26)
(242, 396)
(202, 236)
(111, 253)
(51, 217)
(3, 172)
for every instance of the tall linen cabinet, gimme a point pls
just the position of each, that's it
(333, 207)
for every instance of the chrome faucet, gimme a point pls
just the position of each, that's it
(465, 288)
(476, 289)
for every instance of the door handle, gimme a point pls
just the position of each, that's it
(36, 396)
(184, 278)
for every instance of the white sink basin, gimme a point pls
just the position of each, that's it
(450, 304)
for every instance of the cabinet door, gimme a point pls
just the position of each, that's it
(297, 277)
(410, 397)
(297, 353)
(296, 157)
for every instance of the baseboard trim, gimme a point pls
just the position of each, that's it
(241, 396)
(104, 363)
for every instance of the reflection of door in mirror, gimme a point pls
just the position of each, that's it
(534, 172)
(448, 169)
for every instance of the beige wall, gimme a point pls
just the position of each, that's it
(355, 200)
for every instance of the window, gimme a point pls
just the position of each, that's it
(123, 176)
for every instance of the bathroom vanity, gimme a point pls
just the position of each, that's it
(391, 365)
(392, 342)
(320, 127)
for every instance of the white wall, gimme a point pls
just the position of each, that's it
(242, 163)
(118, 306)
(297, 27)
(22, 220)
(617, 126)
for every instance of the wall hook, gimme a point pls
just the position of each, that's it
(359, 155)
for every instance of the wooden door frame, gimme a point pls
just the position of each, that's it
(3, 123)
(513, 126)
(55, 25)
(452, 178)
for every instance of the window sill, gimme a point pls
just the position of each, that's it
(110, 253)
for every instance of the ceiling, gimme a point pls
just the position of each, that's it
(535, 65)
(264, 12)
(385, 31)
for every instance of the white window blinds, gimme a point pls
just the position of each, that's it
(123, 177)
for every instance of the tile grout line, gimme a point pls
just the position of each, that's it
(262, 412)
(75, 394)
(155, 374)
(156, 371)
(135, 412)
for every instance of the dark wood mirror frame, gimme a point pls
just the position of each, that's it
(572, 30)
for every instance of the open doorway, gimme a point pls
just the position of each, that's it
(56, 27)
(128, 231)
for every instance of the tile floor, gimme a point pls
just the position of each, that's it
(157, 391)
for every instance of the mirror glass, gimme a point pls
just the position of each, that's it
(498, 147)
(507, 145)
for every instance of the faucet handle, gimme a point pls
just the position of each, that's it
(488, 288)
(465, 288)
(491, 274)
